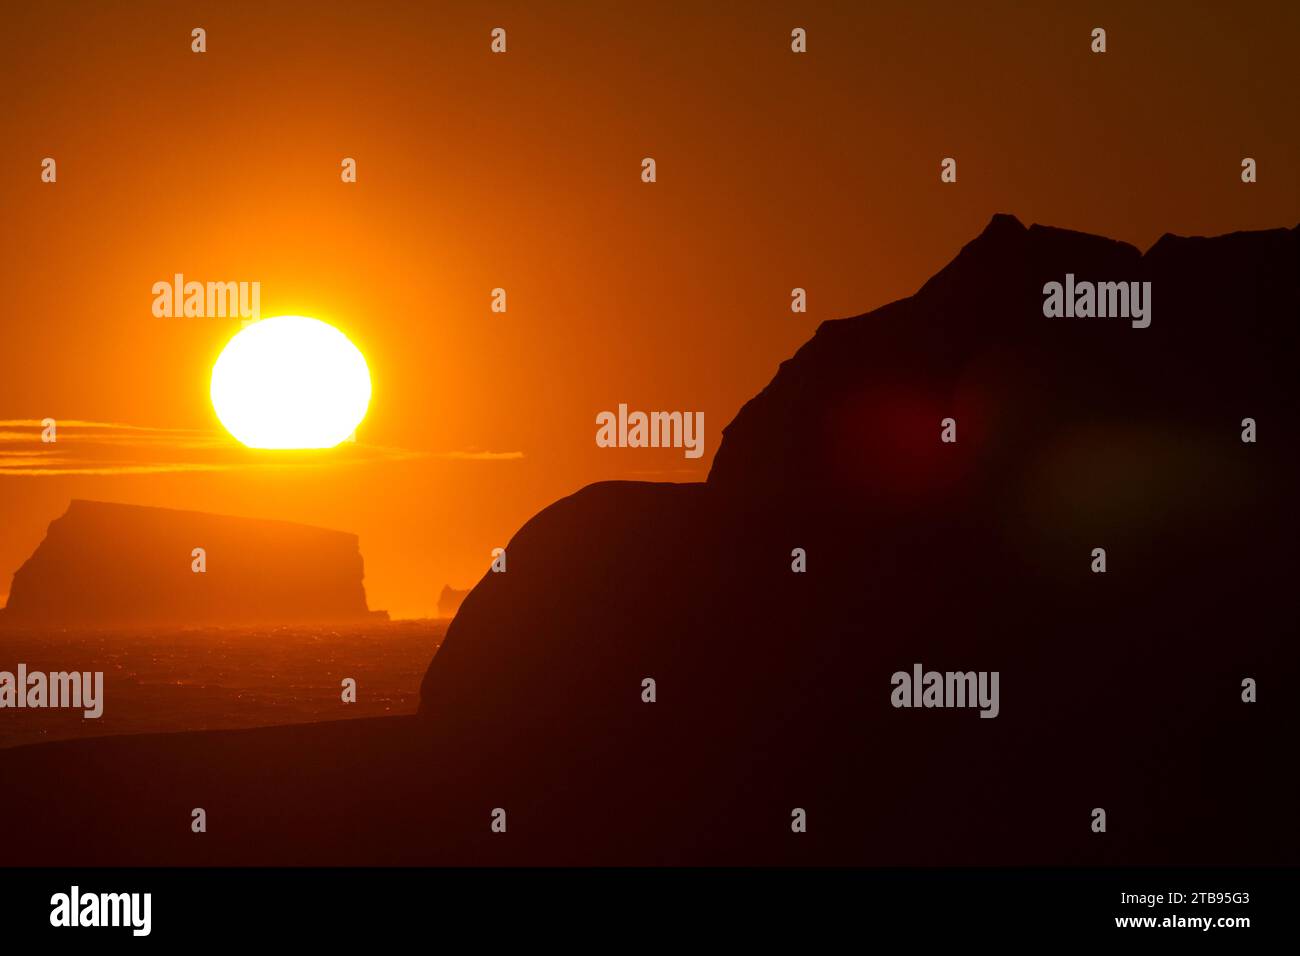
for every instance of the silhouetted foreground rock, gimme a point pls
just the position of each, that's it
(1119, 690)
(104, 564)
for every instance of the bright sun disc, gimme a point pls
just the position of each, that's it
(290, 382)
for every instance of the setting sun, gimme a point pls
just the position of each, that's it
(290, 382)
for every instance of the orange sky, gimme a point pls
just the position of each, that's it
(522, 171)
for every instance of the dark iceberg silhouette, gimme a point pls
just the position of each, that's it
(104, 564)
(1119, 691)
(450, 600)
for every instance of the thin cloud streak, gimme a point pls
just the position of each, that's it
(167, 450)
(481, 455)
(83, 423)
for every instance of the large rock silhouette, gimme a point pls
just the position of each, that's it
(104, 564)
(773, 687)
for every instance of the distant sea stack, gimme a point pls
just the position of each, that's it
(106, 564)
(449, 601)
